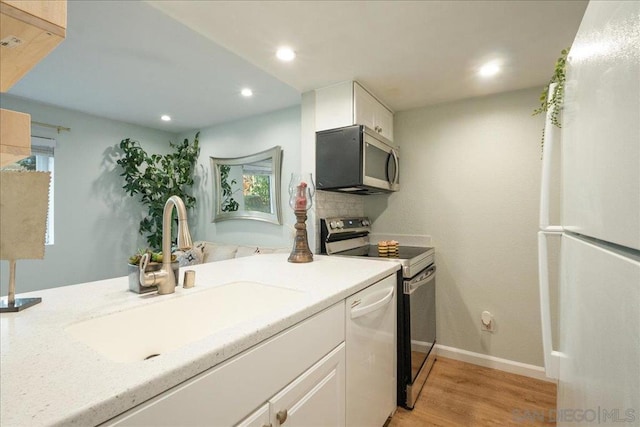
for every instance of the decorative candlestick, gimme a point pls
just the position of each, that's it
(301, 191)
(301, 251)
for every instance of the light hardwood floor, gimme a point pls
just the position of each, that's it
(462, 394)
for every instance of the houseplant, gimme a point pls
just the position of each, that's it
(157, 177)
(229, 204)
(555, 101)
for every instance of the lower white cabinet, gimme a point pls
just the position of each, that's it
(296, 378)
(260, 418)
(315, 398)
(226, 393)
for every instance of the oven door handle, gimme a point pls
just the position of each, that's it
(361, 311)
(423, 279)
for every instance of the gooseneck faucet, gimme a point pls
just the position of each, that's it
(164, 278)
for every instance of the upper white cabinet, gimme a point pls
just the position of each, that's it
(349, 103)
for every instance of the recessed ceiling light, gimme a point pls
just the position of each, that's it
(489, 69)
(165, 118)
(285, 54)
(246, 92)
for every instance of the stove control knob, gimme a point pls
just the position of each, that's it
(340, 224)
(333, 224)
(365, 223)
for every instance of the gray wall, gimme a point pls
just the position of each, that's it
(96, 223)
(242, 138)
(470, 178)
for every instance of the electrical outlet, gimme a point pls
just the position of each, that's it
(486, 321)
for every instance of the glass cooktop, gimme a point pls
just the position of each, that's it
(404, 252)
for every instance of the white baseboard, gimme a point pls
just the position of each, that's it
(487, 361)
(420, 346)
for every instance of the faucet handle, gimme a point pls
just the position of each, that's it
(144, 261)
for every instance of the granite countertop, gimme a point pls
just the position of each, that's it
(49, 378)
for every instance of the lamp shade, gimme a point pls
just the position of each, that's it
(24, 201)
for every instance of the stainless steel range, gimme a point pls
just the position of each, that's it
(416, 307)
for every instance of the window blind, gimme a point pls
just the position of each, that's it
(42, 146)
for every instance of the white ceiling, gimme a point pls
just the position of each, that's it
(129, 61)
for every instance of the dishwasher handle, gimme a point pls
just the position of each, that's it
(357, 311)
(422, 279)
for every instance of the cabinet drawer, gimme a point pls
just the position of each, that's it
(226, 393)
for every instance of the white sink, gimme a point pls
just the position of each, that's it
(141, 333)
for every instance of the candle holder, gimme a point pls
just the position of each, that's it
(301, 191)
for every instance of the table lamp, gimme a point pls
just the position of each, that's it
(24, 201)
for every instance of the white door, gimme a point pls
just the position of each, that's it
(599, 375)
(316, 398)
(601, 126)
(371, 352)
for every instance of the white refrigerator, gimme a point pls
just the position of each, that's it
(597, 362)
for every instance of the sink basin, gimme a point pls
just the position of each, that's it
(145, 332)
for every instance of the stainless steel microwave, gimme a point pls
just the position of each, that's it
(355, 159)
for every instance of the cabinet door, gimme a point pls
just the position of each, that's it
(370, 112)
(384, 121)
(365, 106)
(316, 398)
(259, 418)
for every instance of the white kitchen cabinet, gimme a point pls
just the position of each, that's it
(296, 378)
(316, 398)
(260, 418)
(349, 103)
(225, 394)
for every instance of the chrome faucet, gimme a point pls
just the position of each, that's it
(164, 278)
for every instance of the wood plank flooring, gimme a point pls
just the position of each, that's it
(462, 394)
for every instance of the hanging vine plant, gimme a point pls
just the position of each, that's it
(555, 101)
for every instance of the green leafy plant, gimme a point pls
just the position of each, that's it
(155, 256)
(157, 177)
(556, 100)
(228, 204)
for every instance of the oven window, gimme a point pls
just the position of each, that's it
(423, 322)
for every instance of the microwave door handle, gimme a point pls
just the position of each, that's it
(397, 163)
(394, 156)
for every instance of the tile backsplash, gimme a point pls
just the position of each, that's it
(330, 204)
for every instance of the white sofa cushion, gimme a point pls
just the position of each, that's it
(246, 251)
(203, 251)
